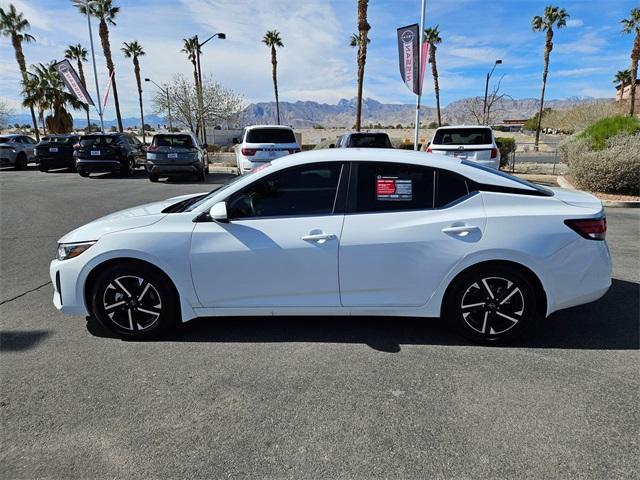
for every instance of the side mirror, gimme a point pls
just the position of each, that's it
(205, 146)
(218, 212)
(235, 141)
(332, 145)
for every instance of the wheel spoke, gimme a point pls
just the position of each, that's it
(130, 319)
(510, 294)
(473, 305)
(484, 322)
(486, 286)
(117, 281)
(151, 312)
(144, 291)
(511, 319)
(115, 305)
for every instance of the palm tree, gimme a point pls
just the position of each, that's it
(272, 39)
(79, 53)
(13, 24)
(552, 16)
(432, 36)
(622, 78)
(632, 25)
(106, 13)
(134, 50)
(34, 97)
(190, 47)
(363, 41)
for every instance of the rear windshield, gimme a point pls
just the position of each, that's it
(6, 139)
(64, 140)
(97, 140)
(369, 140)
(183, 141)
(463, 136)
(270, 135)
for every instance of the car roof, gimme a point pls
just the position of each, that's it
(284, 127)
(13, 135)
(447, 127)
(468, 169)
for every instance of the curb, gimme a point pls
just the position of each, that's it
(564, 183)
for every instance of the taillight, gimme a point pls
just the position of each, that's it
(591, 228)
(152, 148)
(429, 150)
(494, 153)
(76, 146)
(294, 150)
(249, 152)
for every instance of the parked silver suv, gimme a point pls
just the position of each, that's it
(17, 150)
(176, 154)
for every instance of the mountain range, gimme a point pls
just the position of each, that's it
(309, 114)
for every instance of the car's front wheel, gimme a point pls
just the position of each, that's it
(134, 301)
(84, 173)
(491, 304)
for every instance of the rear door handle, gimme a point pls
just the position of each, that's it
(318, 237)
(460, 229)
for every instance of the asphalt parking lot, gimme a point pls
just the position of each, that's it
(300, 397)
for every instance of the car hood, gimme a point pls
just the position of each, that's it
(135, 217)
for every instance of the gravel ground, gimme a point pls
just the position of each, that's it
(300, 397)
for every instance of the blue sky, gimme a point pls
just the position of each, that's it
(317, 63)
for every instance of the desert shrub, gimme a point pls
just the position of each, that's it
(606, 128)
(613, 169)
(507, 147)
(580, 117)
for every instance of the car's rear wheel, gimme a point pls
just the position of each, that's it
(491, 304)
(130, 167)
(21, 161)
(153, 177)
(84, 173)
(43, 168)
(134, 301)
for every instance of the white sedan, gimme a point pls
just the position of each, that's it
(343, 232)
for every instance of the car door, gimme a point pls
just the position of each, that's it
(280, 246)
(139, 151)
(28, 146)
(405, 228)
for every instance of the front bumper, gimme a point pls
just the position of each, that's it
(7, 157)
(102, 165)
(66, 298)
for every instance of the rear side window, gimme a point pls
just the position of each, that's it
(386, 187)
(463, 136)
(61, 140)
(97, 140)
(450, 187)
(371, 140)
(270, 135)
(183, 141)
(6, 139)
(296, 191)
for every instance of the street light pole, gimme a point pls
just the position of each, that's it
(87, 4)
(486, 91)
(221, 36)
(166, 92)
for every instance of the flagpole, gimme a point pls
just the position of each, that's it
(421, 80)
(95, 70)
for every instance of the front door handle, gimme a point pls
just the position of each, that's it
(318, 237)
(460, 229)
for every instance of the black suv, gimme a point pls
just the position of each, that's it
(363, 140)
(56, 151)
(109, 152)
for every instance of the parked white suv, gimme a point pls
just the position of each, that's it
(264, 143)
(474, 143)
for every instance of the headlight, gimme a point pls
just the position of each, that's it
(70, 250)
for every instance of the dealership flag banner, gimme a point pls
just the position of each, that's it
(70, 78)
(409, 55)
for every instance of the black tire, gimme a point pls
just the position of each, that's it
(130, 168)
(201, 176)
(21, 162)
(153, 177)
(149, 307)
(84, 173)
(43, 168)
(491, 304)
(206, 167)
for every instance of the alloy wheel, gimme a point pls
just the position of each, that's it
(132, 303)
(492, 305)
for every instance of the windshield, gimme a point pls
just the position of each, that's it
(370, 140)
(63, 140)
(97, 140)
(222, 188)
(182, 141)
(270, 135)
(463, 136)
(6, 139)
(499, 173)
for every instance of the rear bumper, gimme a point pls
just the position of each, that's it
(173, 169)
(102, 165)
(55, 161)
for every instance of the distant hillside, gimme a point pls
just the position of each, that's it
(308, 114)
(80, 120)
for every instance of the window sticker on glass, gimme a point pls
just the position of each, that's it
(393, 188)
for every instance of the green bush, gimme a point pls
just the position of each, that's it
(601, 131)
(507, 147)
(612, 169)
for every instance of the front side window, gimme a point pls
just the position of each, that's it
(387, 187)
(296, 191)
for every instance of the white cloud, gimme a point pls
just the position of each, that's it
(36, 16)
(590, 42)
(579, 72)
(597, 92)
(574, 23)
